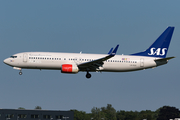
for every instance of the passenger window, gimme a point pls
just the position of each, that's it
(59, 116)
(35, 116)
(9, 115)
(22, 115)
(46, 117)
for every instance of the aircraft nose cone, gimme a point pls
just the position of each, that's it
(6, 61)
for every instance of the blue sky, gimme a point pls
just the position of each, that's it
(91, 27)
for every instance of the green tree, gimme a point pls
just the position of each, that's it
(148, 114)
(21, 108)
(127, 115)
(167, 112)
(109, 112)
(121, 115)
(97, 114)
(130, 115)
(38, 108)
(81, 115)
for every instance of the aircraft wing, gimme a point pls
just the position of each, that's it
(95, 64)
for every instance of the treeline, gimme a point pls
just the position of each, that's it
(36, 108)
(109, 113)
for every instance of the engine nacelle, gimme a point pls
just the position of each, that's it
(69, 68)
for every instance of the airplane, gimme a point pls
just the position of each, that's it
(73, 63)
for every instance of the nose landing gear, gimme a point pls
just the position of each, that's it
(20, 73)
(88, 75)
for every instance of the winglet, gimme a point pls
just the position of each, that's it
(114, 51)
(110, 51)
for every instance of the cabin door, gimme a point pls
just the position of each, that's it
(142, 62)
(24, 57)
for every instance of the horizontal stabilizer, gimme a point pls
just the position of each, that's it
(164, 59)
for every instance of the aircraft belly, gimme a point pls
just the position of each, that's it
(41, 65)
(120, 67)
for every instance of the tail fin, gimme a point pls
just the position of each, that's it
(160, 47)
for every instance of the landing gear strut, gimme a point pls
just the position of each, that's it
(88, 75)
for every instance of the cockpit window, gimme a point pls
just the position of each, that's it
(13, 56)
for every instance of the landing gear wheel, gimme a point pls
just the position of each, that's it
(20, 73)
(88, 75)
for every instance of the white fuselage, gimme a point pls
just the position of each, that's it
(54, 61)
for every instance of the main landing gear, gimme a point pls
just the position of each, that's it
(88, 75)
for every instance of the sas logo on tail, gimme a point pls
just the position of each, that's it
(157, 51)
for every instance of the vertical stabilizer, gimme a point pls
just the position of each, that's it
(160, 47)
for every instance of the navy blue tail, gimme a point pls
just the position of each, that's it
(160, 47)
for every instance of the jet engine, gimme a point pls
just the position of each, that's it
(69, 68)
